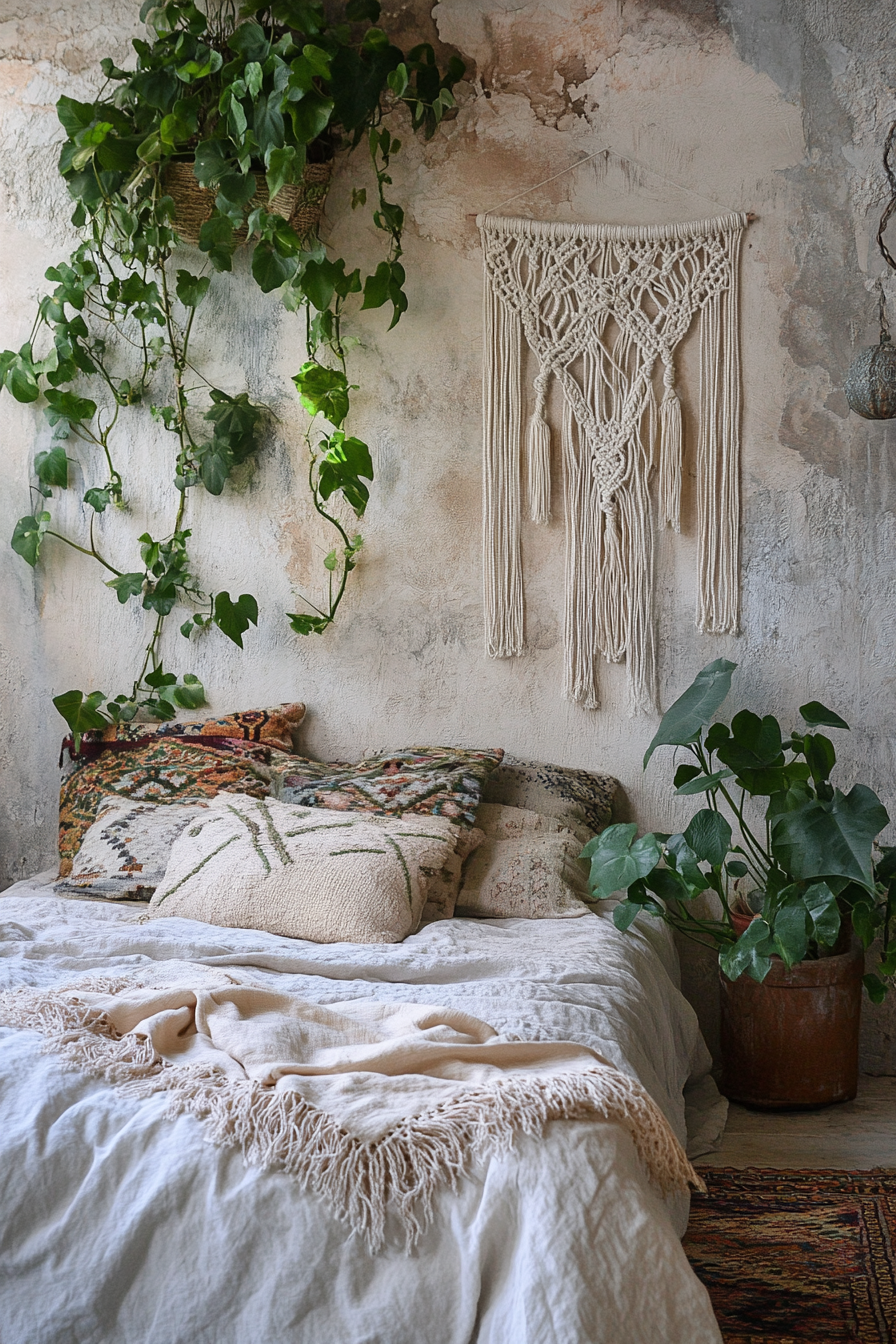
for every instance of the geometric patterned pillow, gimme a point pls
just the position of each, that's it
(125, 852)
(423, 781)
(165, 763)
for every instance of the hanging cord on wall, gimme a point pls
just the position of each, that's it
(635, 163)
(889, 210)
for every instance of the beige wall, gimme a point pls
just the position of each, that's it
(778, 115)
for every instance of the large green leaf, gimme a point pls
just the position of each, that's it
(700, 783)
(791, 932)
(709, 836)
(751, 953)
(830, 838)
(817, 716)
(618, 859)
(754, 743)
(683, 721)
(824, 912)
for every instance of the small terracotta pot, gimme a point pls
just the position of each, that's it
(793, 1041)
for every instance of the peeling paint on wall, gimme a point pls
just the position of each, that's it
(767, 105)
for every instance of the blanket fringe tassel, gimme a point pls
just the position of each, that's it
(358, 1179)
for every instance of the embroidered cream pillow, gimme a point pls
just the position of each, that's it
(125, 852)
(304, 872)
(533, 872)
(512, 823)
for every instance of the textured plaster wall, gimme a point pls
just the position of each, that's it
(760, 105)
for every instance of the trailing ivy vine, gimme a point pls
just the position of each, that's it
(248, 98)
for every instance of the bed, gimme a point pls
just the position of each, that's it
(124, 1224)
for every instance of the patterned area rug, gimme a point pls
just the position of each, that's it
(793, 1256)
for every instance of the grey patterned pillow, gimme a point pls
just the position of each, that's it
(124, 854)
(576, 798)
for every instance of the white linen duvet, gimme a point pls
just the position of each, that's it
(119, 1225)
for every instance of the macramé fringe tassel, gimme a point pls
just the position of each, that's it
(669, 485)
(359, 1179)
(539, 450)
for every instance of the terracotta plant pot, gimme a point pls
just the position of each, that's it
(793, 1041)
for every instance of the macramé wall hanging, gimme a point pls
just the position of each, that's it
(604, 308)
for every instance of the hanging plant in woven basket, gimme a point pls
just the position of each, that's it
(301, 203)
(870, 384)
(223, 134)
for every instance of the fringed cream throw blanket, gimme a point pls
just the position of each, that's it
(603, 309)
(370, 1105)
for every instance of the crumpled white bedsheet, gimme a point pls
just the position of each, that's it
(121, 1226)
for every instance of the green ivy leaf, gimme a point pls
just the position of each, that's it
(192, 289)
(234, 618)
(323, 391)
(126, 586)
(51, 468)
(308, 625)
(81, 712)
(97, 499)
(216, 237)
(270, 269)
(211, 162)
(877, 990)
(248, 40)
(311, 117)
(284, 164)
(215, 465)
(28, 535)
(343, 464)
(21, 381)
(67, 407)
(74, 116)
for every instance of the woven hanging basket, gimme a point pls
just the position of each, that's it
(301, 203)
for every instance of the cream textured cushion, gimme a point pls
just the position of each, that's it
(527, 866)
(124, 854)
(304, 872)
(442, 885)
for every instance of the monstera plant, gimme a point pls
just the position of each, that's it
(255, 103)
(791, 858)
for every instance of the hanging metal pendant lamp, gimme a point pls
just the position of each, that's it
(870, 384)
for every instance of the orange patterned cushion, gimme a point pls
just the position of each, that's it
(163, 763)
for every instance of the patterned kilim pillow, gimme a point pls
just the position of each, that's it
(164, 763)
(426, 781)
(576, 798)
(124, 854)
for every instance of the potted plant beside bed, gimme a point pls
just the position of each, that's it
(801, 890)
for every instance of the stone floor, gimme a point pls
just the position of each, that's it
(855, 1135)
